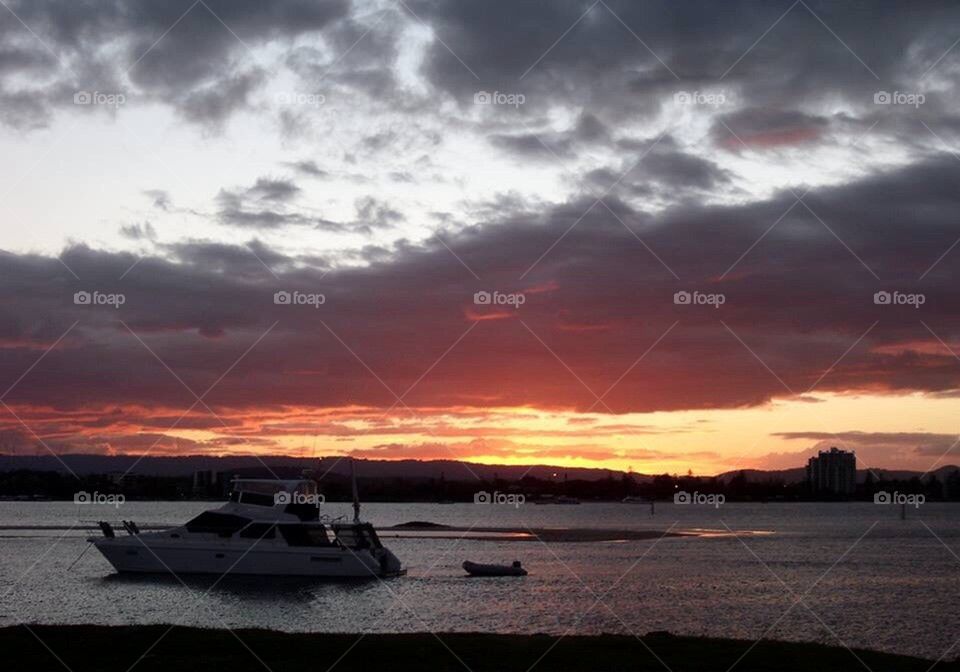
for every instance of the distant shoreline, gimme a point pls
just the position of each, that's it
(107, 649)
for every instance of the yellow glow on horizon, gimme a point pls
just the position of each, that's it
(705, 441)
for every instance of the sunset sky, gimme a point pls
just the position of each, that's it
(589, 165)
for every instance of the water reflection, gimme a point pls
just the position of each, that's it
(268, 589)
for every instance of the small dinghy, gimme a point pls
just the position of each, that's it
(476, 569)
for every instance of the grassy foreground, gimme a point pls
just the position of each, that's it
(105, 649)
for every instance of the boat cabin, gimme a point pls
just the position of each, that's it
(296, 497)
(241, 519)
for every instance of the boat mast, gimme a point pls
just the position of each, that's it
(356, 497)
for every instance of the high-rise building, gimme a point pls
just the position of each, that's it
(833, 471)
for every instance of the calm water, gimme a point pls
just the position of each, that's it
(895, 590)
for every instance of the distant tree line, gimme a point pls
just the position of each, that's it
(27, 484)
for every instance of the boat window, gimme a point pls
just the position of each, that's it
(223, 524)
(305, 535)
(259, 531)
(257, 498)
(358, 536)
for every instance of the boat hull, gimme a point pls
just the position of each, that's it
(477, 569)
(135, 554)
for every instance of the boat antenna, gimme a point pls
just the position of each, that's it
(356, 497)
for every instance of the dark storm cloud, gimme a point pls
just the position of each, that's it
(532, 145)
(213, 103)
(196, 60)
(798, 300)
(161, 199)
(680, 168)
(373, 213)
(245, 208)
(798, 59)
(661, 163)
(550, 146)
(267, 204)
(143, 231)
(269, 189)
(307, 167)
(601, 69)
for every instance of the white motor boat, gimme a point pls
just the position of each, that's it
(269, 527)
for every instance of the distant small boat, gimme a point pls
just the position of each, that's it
(476, 569)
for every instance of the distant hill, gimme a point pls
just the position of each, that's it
(286, 466)
(451, 470)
